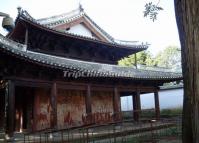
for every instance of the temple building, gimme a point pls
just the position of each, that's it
(62, 71)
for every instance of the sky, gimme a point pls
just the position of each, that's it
(122, 19)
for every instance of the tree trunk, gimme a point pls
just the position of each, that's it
(187, 17)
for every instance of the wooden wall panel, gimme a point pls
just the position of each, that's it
(2, 109)
(43, 109)
(70, 107)
(102, 102)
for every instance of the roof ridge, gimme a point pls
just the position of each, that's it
(58, 15)
(22, 12)
(55, 18)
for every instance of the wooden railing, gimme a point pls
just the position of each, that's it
(115, 129)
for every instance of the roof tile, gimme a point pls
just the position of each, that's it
(82, 68)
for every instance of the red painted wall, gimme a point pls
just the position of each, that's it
(70, 107)
(42, 104)
(102, 101)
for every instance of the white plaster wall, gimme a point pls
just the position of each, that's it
(168, 99)
(80, 30)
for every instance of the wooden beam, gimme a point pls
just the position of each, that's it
(134, 88)
(101, 88)
(31, 82)
(157, 105)
(11, 108)
(53, 101)
(78, 85)
(72, 87)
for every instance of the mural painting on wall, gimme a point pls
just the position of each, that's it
(70, 107)
(43, 112)
(102, 108)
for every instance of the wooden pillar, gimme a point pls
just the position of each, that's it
(88, 100)
(157, 106)
(89, 117)
(116, 101)
(5, 109)
(53, 99)
(138, 100)
(10, 108)
(136, 105)
(116, 104)
(35, 111)
(26, 37)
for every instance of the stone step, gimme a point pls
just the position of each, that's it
(18, 137)
(2, 136)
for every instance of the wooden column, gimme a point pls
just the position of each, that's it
(53, 99)
(88, 100)
(5, 109)
(88, 105)
(157, 106)
(136, 105)
(138, 100)
(116, 100)
(35, 111)
(11, 108)
(26, 37)
(116, 104)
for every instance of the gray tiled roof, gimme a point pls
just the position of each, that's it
(76, 14)
(78, 68)
(71, 16)
(62, 18)
(25, 16)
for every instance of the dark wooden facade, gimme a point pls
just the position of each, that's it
(42, 39)
(35, 92)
